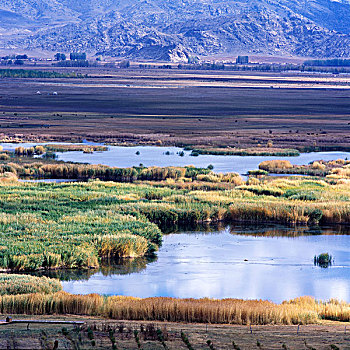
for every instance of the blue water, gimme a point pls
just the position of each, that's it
(157, 156)
(228, 264)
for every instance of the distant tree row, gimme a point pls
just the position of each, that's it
(76, 63)
(336, 62)
(17, 57)
(203, 66)
(124, 64)
(25, 73)
(15, 62)
(77, 56)
(73, 56)
(60, 57)
(242, 60)
(264, 67)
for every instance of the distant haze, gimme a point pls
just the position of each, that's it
(178, 29)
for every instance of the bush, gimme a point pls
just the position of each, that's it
(4, 156)
(259, 172)
(273, 165)
(39, 150)
(323, 260)
(8, 177)
(315, 215)
(318, 166)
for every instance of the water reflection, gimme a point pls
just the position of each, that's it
(273, 230)
(107, 268)
(205, 227)
(265, 262)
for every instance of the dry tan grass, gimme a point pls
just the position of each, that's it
(299, 311)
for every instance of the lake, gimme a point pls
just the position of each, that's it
(268, 262)
(123, 157)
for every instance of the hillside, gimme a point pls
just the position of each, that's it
(177, 29)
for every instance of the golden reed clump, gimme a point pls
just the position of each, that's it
(304, 310)
(273, 165)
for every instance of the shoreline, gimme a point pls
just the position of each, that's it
(224, 150)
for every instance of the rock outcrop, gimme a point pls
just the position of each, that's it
(175, 30)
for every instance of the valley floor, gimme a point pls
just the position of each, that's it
(182, 107)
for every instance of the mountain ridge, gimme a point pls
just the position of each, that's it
(178, 29)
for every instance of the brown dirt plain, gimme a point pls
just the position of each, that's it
(324, 336)
(183, 107)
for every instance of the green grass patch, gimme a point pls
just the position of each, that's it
(25, 284)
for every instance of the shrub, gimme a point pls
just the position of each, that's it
(8, 177)
(259, 172)
(318, 166)
(323, 260)
(315, 215)
(4, 156)
(273, 165)
(39, 150)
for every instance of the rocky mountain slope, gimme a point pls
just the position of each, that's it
(177, 29)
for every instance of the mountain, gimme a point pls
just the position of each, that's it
(178, 29)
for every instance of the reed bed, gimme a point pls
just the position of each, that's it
(257, 151)
(317, 168)
(227, 311)
(74, 241)
(69, 226)
(25, 284)
(91, 171)
(298, 212)
(75, 148)
(75, 225)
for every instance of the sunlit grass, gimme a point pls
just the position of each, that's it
(25, 284)
(304, 310)
(75, 225)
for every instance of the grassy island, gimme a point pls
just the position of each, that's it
(251, 151)
(76, 225)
